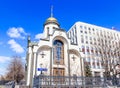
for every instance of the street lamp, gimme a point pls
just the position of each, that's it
(41, 68)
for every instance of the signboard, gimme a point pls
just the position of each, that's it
(42, 69)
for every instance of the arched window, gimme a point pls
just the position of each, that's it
(58, 52)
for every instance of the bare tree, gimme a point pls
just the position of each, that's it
(15, 69)
(108, 49)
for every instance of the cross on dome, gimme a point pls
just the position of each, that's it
(52, 11)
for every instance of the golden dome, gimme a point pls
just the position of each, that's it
(52, 20)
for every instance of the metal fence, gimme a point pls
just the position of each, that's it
(42, 81)
(11, 84)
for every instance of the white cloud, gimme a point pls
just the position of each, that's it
(38, 36)
(15, 46)
(4, 59)
(16, 32)
(21, 30)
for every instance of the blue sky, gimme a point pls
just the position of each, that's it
(18, 18)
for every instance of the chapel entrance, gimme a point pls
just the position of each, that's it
(59, 74)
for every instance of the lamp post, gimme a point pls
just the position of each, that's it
(41, 68)
(40, 76)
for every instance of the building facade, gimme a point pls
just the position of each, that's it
(61, 53)
(100, 46)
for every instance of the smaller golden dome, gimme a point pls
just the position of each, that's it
(51, 20)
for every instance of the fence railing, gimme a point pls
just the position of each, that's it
(43, 81)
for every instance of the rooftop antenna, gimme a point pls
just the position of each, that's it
(52, 11)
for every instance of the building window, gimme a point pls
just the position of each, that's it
(92, 50)
(89, 28)
(87, 50)
(98, 65)
(83, 49)
(85, 27)
(86, 37)
(75, 27)
(90, 42)
(85, 32)
(87, 61)
(53, 27)
(82, 40)
(81, 27)
(81, 31)
(93, 64)
(58, 52)
(47, 27)
(90, 38)
(86, 42)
